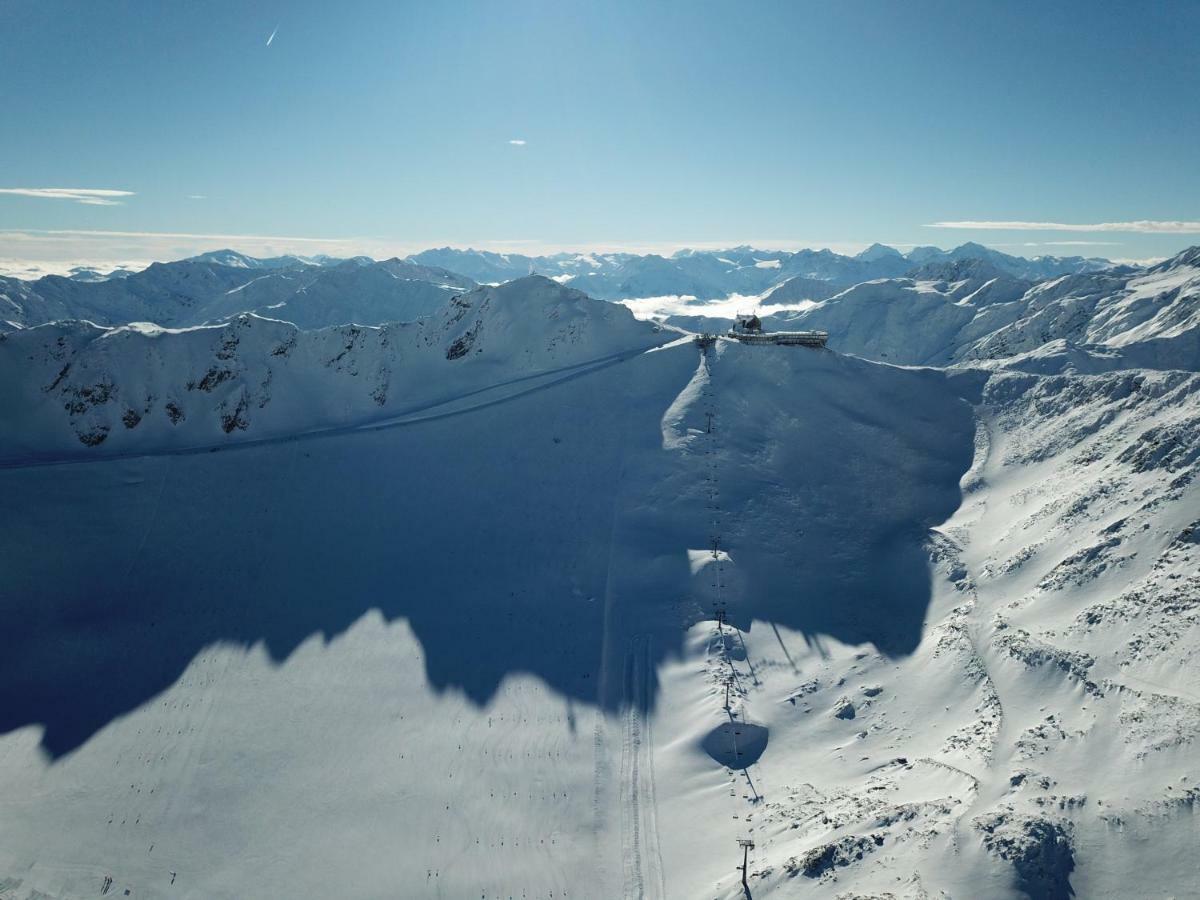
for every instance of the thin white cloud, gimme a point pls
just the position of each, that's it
(197, 197)
(16, 233)
(517, 142)
(999, 244)
(30, 270)
(1072, 244)
(1142, 226)
(86, 196)
(272, 37)
(59, 250)
(156, 244)
(1141, 263)
(684, 305)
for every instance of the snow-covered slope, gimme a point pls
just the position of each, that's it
(1150, 319)
(574, 610)
(911, 321)
(1036, 269)
(1041, 739)
(964, 312)
(353, 291)
(203, 290)
(78, 389)
(530, 561)
(800, 288)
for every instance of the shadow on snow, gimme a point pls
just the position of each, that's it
(501, 536)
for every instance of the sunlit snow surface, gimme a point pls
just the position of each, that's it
(475, 640)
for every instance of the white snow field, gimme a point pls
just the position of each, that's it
(531, 599)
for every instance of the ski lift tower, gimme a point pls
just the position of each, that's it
(747, 844)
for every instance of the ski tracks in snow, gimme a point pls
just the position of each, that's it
(641, 855)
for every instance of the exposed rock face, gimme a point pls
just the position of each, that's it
(1039, 848)
(840, 853)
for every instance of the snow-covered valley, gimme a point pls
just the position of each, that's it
(529, 598)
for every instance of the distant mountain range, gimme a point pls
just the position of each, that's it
(709, 275)
(309, 293)
(313, 292)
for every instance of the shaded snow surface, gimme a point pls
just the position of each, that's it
(484, 645)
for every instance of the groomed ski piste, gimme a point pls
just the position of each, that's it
(531, 599)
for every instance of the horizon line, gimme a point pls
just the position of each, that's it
(157, 244)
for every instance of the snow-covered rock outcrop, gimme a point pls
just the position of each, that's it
(75, 387)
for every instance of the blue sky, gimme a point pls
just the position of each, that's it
(385, 127)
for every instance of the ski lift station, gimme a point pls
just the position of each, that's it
(748, 329)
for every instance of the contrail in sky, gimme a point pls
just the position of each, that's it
(272, 37)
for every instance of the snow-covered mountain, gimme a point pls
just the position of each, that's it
(800, 288)
(236, 260)
(314, 292)
(91, 273)
(219, 285)
(967, 312)
(75, 385)
(1149, 319)
(912, 320)
(1035, 269)
(487, 267)
(878, 252)
(709, 275)
(528, 597)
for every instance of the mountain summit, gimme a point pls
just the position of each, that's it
(876, 252)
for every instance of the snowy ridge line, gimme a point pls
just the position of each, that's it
(214, 288)
(138, 390)
(568, 373)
